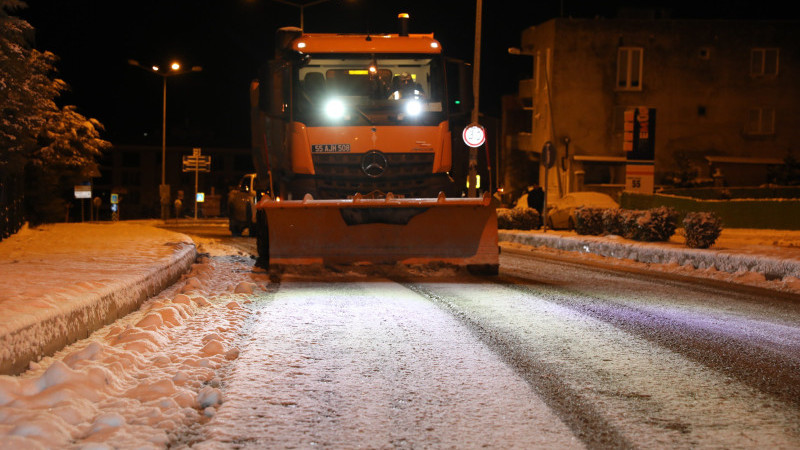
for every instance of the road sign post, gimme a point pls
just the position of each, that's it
(196, 163)
(82, 192)
(548, 161)
(474, 135)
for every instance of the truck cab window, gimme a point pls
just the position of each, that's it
(391, 89)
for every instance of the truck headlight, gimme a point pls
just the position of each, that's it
(413, 108)
(334, 108)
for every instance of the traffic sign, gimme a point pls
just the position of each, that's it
(474, 135)
(200, 163)
(83, 191)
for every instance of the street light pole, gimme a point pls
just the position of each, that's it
(164, 142)
(175, 69)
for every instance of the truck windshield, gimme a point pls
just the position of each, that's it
(364, 89)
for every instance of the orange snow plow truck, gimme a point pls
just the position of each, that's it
(352, 134)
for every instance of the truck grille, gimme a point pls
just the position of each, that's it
(340, 175)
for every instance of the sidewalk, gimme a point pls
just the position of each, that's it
(60, 282)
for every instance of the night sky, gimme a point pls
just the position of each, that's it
(230, 39)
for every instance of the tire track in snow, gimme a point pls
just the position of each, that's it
(367, 363)
(758, 346)
(636, 391)
(546, 379)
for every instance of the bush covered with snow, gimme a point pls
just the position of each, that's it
(504, 219)
(629, 223)
(518, 219)
(657, 224)
(589, 221)
(613, 222)
(653, 225)
(701, 229)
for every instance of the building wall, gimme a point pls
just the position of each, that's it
(696, 75)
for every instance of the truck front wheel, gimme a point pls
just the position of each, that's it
(252, 226)
(262, 239)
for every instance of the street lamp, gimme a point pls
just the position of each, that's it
(174, 69)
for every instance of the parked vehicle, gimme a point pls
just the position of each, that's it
(561, 212)
(241, 205)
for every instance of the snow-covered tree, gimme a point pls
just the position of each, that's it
(68, 140)
(53, 145)
(27, 90)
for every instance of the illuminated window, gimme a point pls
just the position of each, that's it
(764, 62)
(629, 68)
(760, 121)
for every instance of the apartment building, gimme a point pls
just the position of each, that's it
(633, 104)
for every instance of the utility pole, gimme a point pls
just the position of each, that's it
(476, 77)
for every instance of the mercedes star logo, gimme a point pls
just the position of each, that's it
(374, 163)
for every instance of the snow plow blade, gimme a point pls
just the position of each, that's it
(457, 231)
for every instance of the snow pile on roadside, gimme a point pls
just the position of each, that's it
(142, 381)
(60, 280)
(743, 258)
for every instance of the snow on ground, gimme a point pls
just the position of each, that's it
(145, 381)
(58, 280)
(341, 361)
(765, 258)
(150, 378)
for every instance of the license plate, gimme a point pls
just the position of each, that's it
(330, 148)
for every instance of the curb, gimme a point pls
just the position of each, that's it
(46, 337)
(770, 267)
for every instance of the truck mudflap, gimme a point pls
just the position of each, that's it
(457, 231)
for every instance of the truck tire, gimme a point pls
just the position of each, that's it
(252, 227)
(262, 240)
(236, 229)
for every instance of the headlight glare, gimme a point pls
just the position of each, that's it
(334, 109)
(413, 108)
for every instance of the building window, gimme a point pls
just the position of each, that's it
(629, 68)
(764, 62)
(760, 121)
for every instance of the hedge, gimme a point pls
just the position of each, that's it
(776, 213)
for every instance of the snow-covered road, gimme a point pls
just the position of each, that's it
(549, 354)
(631, 361)
(372, 364)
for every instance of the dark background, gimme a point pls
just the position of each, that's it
(230, 39)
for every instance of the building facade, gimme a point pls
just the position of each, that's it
(633, 104)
